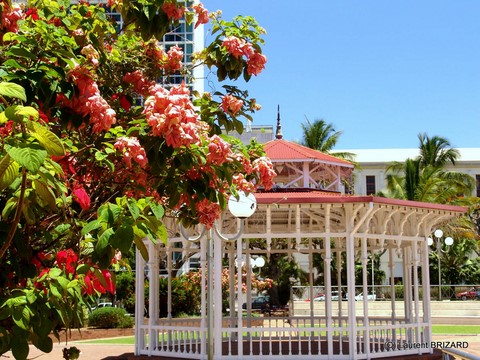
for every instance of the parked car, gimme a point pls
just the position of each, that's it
(471, 294)
(370, 297)
(102, 305)
(259, 303)
(321, 297)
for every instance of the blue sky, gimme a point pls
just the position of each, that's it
(380, 71)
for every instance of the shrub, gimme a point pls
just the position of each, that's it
(110, 317)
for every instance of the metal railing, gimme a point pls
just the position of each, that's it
(454, 354)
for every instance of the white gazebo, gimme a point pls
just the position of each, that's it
(308, 212)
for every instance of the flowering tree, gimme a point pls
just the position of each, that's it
(85, 172)
(193, 283)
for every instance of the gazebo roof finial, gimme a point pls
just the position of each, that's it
(278, 134)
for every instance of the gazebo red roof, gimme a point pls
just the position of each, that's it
(312, 196)
(285, 151)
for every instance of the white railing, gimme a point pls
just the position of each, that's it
(298, 337)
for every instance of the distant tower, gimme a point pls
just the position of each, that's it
(278, 133)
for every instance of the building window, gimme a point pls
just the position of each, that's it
(478, 184)
(370, 180)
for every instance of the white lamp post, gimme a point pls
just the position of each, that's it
(240, 207)
(438, 234)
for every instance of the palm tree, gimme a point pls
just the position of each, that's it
(436, 151)
(322, 136)
(426, 178)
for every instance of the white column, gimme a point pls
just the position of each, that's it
(217, 291)
(352, 320)
(210, 296)
(427, 316)
(140, 302)
(153, 297)
(366, 324)
(204, 243)
(328, 280)
(240, 298)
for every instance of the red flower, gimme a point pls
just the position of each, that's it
(67, 259)
(124, 102)
(81, 197)
(32, 12)
(88, 288)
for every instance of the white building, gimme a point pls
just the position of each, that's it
(369, 178)
(373, 163)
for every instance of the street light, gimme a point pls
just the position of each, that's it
(241, 207)
(447, 241)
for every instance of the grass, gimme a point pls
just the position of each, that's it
(436, 330)
(455, 329)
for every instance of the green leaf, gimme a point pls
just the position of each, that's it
(44, 193)
(31, 296)
(162, 234)
(26, 112)
(3, 118)
(62, 228)
(110, 213)
(133, 207)
(157, 210)
(47, 139)
(55, 291)
(142, 248)
(92, 225)
(55, 273)
(63, 282)
(103, 241)
(30, 156)
(21, 318)
(19, 347)
(22, 52)
(12, 90)
(44, 344)
(122, 238)
(83, 269)
(9, 171)
(72, 284)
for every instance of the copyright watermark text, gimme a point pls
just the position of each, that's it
(402, 345)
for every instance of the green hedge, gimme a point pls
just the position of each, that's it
(110, 317)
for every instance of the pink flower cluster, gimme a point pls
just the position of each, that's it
(231, 104)
(219, 151)
(202, 14)
(91, 53)
(207, 212)
(263, 166)
(239, 47)
(140, 84)
(243, 184)
(170, 62)
(89, 101)
(10, 17)
(173, 10)
(175, 57)
(171, 115)
(133, 150)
